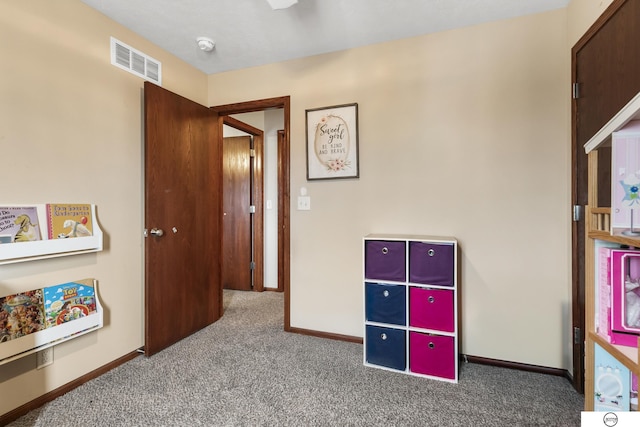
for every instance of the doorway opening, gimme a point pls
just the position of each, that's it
(229, 114)
(242, 204)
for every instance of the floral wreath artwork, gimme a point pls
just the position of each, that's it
(332, 142)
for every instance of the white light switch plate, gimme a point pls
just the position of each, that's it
(304, 203)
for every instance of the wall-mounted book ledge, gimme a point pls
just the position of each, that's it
(34, 320)
(47, 231)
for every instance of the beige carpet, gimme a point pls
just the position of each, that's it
(245, 371)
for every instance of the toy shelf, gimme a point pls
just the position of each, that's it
(601, 231)
(16, 348)
(51, 248)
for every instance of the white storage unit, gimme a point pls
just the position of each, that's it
(411, 304)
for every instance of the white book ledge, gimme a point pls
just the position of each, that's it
(51, 248)
(16, 348)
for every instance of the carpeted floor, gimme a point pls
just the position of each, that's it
(245, 371)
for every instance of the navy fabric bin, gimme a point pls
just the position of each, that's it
(385, 303)
(386, 347)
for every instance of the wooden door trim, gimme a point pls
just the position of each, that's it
(283, 177)
(258, 186)
(283, 102)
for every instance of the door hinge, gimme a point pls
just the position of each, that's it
(575, 91)
(577, 336)
(252, 265)
(252, 152)
(577, 213)
(252, 209)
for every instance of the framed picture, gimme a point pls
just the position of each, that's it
(332, 142)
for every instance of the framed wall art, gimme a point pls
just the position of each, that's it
(332, 142)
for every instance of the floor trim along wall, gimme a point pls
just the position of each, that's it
(463, 357)
(516, 365)
(52, 395)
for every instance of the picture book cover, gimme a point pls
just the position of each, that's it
(67, 302)
(69, 220)
(19, 224)
(21, 314)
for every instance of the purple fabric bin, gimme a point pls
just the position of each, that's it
(385, 260)
(431, 263)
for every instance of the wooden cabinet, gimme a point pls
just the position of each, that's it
(411, 305)
(600, 233)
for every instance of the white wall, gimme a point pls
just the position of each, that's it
(274, 121)
(462, 133)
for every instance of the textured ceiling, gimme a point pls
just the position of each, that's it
(249, 33)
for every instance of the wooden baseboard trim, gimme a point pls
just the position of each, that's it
(328, 335)
(467, 358)
(53, 394)
(515, 365)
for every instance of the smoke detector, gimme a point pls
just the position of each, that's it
(205, 44)
(281, 4)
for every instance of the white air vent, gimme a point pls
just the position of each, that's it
(136, 62)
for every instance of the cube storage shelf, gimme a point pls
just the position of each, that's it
(411, 305)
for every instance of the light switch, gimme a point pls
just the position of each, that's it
(304, 203)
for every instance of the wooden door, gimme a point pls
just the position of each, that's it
(182, 198)
(238, 238)
(606, 75)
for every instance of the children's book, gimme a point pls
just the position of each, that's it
(19, 224)
(68, 301)
(69, 220)
(21, 314)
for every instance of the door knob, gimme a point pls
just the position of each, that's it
(157, 232)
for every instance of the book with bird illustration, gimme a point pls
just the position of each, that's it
(19, 224)
(69, 220)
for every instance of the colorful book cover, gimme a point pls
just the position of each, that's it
(19, 224)
(67, 302)
(69, 220)
(21, 314)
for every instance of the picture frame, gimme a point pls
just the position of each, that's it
(332, 142)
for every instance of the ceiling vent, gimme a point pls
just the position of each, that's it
(136, 62)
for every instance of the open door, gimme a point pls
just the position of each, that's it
(238, 262)
(183, 190)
